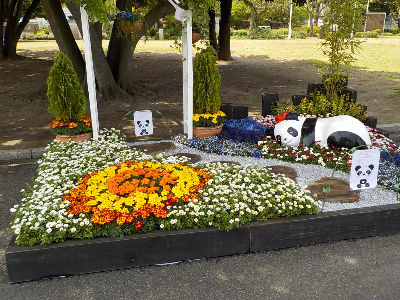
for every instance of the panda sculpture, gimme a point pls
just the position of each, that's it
(339, 131)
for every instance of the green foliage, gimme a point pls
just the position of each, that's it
(340, 20)
(368, 34)
(64, 92)
(269, 34)
(277, 14)
(320, 105)
(96, 9)
(394, 30)
(206, 82)
(38, 36)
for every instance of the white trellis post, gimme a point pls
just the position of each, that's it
(290, 20)
(185, 16)
(90, 73)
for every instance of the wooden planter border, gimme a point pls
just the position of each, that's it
(103, 254)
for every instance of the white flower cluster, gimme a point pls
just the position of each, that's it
(42, 215)
(236, 195)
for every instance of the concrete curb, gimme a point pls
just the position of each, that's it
(20, 154)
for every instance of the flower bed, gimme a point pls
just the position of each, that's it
(104, 188)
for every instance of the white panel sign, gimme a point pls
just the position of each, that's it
(143, 122)
(364, 169)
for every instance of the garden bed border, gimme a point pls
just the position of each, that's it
(161, 247)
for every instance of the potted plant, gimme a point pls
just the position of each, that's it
(130, 21)
(196, 33)
(67, 102)
(207, 118)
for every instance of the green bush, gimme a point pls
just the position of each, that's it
(270, 34)
(395, 30)
(38, 36)
(320, 105)
(368, 34)
(307, 29)
(64, 92)
(386, 34)
(152, 31)
(206, 82)
(43, 30)
(172, 32)
(239, 34)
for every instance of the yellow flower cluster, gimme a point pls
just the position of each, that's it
(213, 117)
(135, 188)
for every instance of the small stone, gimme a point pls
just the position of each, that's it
(286, 171)
(340, 190)
(154, 148)
(194, 158)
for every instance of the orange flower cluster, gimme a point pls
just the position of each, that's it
(57, 122)
(133, 191)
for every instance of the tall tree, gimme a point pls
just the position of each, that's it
(111, 69)
(10, 12)
(314, 9)
(224, 37)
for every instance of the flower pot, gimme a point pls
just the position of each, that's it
(75, 138)
(126, 27)
(195, 37)
(202, 132)
(138, 25)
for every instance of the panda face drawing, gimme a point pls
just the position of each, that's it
(364, 172)
(143, 126)
(287, 133)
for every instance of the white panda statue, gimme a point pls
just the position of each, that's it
(340, 131)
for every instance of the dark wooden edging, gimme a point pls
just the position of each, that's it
(85, 256)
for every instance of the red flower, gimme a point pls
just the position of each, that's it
(138, 225)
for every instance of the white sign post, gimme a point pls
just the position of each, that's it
(90, 73)
(185, 16)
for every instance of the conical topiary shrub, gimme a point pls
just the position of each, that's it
(66, 98)
(67, 102)
(206, 82)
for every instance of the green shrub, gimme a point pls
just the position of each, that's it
(395, 30)
(38, 36)
(172, 32)
(386, 34)
(64, 92)
(239, 34)
(368, 34)
(152, 31)
(44, 30)
(320, 105)
(206, 82)
(273, 34)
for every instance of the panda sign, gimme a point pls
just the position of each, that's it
(143, 122)
(364, 169)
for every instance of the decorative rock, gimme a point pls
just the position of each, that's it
(340, 190)
(194, 158)
(286, 171)
(155, 148)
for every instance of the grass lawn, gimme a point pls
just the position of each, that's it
(381, 54)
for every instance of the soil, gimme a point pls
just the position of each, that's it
(24, 118)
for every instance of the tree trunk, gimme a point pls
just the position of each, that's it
(107, 87)
(317, 13)
(62, 32)
(224, 38)
(253, 18)
(212, 35)
(311, 23)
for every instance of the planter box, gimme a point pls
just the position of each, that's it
(86, 256)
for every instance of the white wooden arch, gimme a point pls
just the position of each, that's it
(185, 16)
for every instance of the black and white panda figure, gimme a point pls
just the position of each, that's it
(143, 126)
(338, 131)
(364, 173)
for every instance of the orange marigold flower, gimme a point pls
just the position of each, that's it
(138, 225)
